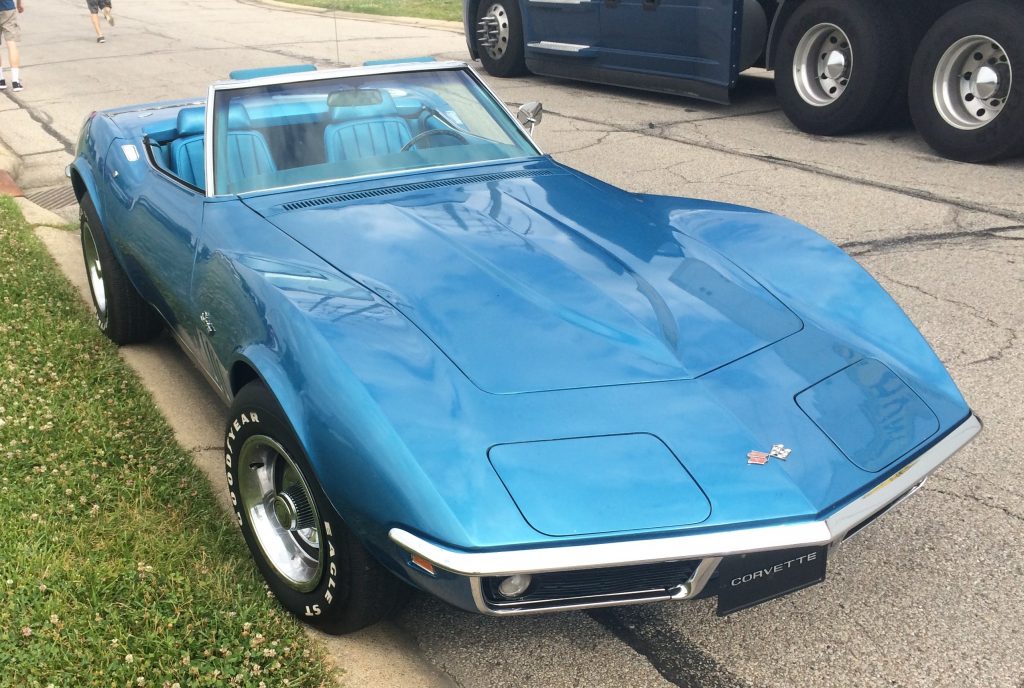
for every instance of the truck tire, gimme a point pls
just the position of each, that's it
(842, 66)
(962, 96)
(500, 38)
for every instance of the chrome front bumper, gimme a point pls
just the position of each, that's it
(710, 547)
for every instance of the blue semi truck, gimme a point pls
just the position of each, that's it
(840, 65)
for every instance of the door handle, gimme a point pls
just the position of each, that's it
(651, 4)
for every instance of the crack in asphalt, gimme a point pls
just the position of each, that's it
(854, 248)
(679, 661)
(657, 132)
(1011, 340)
(44, 121)
(973, 498)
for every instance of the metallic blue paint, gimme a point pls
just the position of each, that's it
(411, 334)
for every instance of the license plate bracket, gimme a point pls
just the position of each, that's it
(747, 580)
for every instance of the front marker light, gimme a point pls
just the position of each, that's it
(514, 586)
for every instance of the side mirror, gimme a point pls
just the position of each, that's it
(530, 115)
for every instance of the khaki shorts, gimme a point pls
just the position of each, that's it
(9, 29)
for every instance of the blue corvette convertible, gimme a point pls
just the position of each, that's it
(454, 363)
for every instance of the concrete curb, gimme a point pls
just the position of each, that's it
(439, 24)
(382, 656)
(10, 166)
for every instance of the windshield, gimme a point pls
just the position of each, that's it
(335, 129)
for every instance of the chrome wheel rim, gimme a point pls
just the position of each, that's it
(282, 515)
(822, 65)
(492, 32)
(94, 271)
(972, 82)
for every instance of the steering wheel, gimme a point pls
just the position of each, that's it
(423, 135)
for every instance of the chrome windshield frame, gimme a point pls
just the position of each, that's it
(347, 72)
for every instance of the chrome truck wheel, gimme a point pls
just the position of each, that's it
(962, 94)
(492, 31)
(972, 82)
(499, 38)
(841, 66)
(822, 65)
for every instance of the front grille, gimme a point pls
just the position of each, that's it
(643, 580)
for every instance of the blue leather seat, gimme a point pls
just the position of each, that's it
(364, 131)
(247, 151)
(187, 149)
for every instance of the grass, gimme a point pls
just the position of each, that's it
(117, 567)
(427, 9)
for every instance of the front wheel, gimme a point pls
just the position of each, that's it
(313, 564)
(963, 98)
(499, 38)
(841, 66)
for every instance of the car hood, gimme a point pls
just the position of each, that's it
(543, 281)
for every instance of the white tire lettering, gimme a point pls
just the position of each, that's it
(327, 529)
(253, 417)
(328, 596)
(227, 460)
(231, 480)
(333, 569)
(244, 418)
(313, 610)
(236, 425)
(239, 515)
(330, 548)
(234, 499)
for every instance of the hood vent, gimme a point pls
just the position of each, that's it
(404, 188)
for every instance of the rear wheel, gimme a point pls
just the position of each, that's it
(963, 97)
(499, 38)
(121, 313)
(314, 565)
(841, 66)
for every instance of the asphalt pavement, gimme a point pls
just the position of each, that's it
(929, 595)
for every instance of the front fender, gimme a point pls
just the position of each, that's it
(823, 285)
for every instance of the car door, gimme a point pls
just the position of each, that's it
(154, 222)
(692, 39)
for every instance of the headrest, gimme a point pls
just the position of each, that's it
(385, 108)
(238, 117)
(191, 121)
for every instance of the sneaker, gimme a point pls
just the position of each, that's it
(16, 86)
(109, 17)
(3, 84)
(101, 39)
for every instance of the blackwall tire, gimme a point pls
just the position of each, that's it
(842, 66)
(504, 23)
(966, 108)
(122, 315)
(314, 565)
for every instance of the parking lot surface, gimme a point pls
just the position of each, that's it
(929, 595)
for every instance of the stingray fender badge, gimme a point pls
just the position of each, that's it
(778, 451)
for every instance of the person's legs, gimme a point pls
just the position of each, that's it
(10, 34)
(107, 12)
(94, 17)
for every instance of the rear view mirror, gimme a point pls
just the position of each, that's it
(530, 115)
(356, 97)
